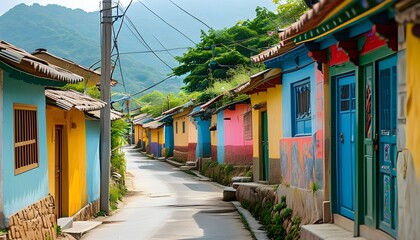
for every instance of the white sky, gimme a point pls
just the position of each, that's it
(87, 5)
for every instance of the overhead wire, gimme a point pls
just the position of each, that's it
(176, 29)
(152, 86)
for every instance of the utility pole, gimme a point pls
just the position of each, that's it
(105, 143)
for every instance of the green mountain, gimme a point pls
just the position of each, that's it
(75, 35)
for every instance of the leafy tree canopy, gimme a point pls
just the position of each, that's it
(221, 50)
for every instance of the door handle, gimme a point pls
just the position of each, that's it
(342, 137)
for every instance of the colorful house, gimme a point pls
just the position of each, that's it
(185, 134)
(408, 139)
(265, 91)
(202, 123)
(73, 152)
(140, 132)
(155, 133)
(24, 173)
(298, 138)
(354, 44)
(138, 129)
(230, 131)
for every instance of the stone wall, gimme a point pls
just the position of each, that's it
(88, 211)
(35, 222)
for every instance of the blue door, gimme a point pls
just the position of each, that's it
(346, 110)
(387, 86)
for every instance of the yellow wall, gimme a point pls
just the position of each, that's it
(180, 138)
(413, 101)
(273, 100)
(138, 133)
(154, 134)
(213, 134)
(74, 193)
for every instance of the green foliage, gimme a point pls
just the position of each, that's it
(290, 11)
(58, 230)
(80, 87)
(314, 187)
(221, 50)
(277, 219)
(100, 214)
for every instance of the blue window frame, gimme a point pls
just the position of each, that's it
(301, 105)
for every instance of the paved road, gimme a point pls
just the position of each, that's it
(164, 203)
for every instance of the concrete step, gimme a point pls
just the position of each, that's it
(229, 194)
(185, 168)
(326, 232)
(81, 227)
(65, 222)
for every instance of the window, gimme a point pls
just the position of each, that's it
(183, 127)
(176, 127)
(248, 125)
(301, 102)
(26, 137)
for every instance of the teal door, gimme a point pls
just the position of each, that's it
(346, 111)
(264, 146)
(387, 87)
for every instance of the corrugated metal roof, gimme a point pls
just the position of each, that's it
(24, 61)
(68, 99)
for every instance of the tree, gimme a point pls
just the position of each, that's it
(290, 11)
(221, 50)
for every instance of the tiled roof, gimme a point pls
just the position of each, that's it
(24, 61)
(153, 124)
(68, 99)
(262, 81)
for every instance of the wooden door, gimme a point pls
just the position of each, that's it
(58, 168)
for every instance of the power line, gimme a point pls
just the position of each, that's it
(163, 46)
(166, 22)
(190, 14)
(145, 43)
(154, 85)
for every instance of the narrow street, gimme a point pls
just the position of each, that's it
(165, 203)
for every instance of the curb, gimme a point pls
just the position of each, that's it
(254, 226)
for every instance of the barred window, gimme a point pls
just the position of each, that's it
(26, 137)
(302, 108)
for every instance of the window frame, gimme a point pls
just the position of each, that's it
(183, 126)
(176, 127)
(295, 104)
(26, 162)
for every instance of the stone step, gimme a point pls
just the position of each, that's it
(65, 222)
(326, 232)
(241, 179)
(186, 168)
(190, 163)
(229, 194)
(81, 227)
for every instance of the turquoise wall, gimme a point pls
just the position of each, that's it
(221, 137)
(28, 187)
(93, 176)
(203, 149)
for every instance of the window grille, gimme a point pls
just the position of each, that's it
(25, 137)
(302, 108)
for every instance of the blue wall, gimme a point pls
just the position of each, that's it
(288, 80)
(93, 176)
(26, 188)
(169, 138)
(221, 137)
(203, 149)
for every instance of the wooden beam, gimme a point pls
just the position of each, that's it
(350, 47)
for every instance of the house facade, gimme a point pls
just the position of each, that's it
(73, 152)
(24, 151)
(155, 133)
(265, 91)
(354, 45)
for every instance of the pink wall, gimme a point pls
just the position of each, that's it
(234, 128)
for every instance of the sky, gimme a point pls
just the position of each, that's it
(87, 5)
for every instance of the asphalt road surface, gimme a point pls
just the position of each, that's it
(165, 203)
